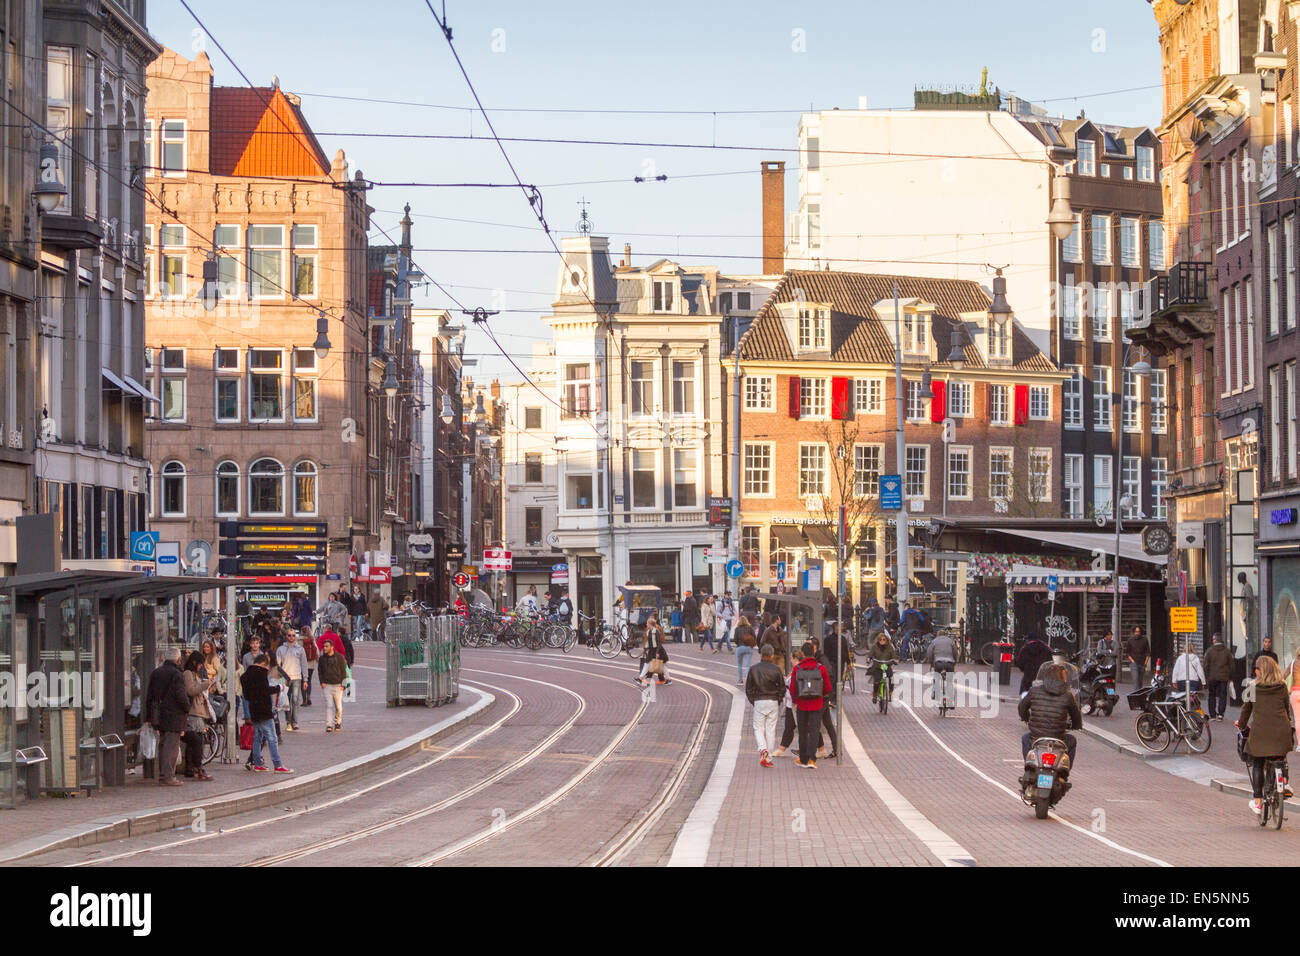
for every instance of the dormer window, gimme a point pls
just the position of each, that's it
(663, 295)
(814, 329)
(1087, 150)
(999, 339)
(916, 333)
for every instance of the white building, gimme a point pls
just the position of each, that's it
(531, 474)
(640, 434)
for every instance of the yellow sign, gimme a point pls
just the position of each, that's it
(1182, 620)
(470, 569)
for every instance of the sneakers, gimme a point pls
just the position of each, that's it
(665, 682)
(821, 752)
(329, 728)
(290, 728)
(780, 752)
(811, 765)
(638, 681)
(1256, 805)
(282, 770)
(260, 769)
(765, 762)
(338, 725)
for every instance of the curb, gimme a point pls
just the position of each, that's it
(166, 818)
(1230, 786)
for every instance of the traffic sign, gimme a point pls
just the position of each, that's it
(1051, 583)
(720, 512)
(1182, 620)
(497, 559)
(780, 570)
(891, 492)
(1123, 584)
(143, 544)
(735, 568)
(462, 581)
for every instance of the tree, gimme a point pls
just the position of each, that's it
(847, 487)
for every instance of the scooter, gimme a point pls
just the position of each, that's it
(1046, 777)
(1097, 692)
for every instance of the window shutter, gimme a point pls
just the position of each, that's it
(794, 396)
(839, 398)
(938, 404)
(1022, 404)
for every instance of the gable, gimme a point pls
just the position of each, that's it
(258, 132)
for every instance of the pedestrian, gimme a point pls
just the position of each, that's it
(1138, 652)
(726, 613)
(332, 638)
(257, 691)
(828, 704)
(168, 708)
(311, 652)
(292, 659)
(765, 688)
(745, 644)
(875, 619)
(913, 624)
(1271, 725)
(749, 603)
(1265, 650)
(707, 620)
(376, 608)
(810, 685)
(1187, 673)
(356, 605)
(213, 667)
(882, 651)
(333, 671)
(1217, 665)
(1293, 686)
(334, 614)
(653, 651)
(1030, 659)
(1106, 646)
(691, 617)
(788, 724)
(197, 686)
(301, 612)
(775, 634)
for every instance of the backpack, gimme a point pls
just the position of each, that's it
(808, 681)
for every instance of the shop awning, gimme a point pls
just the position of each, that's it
(820, 536)
(928, 582)
(787, 536)
(144, 393)
(1038, 578)
(1130, 545)
(112, 378)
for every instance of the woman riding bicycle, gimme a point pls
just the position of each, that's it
(1271, 725)
(881, 650)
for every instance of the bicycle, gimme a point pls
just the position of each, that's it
(848, 679)
(946, 703)
(1274, 800)
(883, 690)
(1164, 719)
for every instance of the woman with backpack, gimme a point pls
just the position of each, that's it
(810, 685)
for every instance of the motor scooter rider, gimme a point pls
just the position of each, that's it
(1051, 710)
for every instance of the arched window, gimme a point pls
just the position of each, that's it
(266, 487)
(304, 488)
(173, 489)
(228, 489)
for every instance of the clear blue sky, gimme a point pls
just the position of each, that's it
(700, 56)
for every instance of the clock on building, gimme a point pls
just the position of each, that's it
(1157, 539)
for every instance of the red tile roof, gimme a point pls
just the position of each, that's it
(252, 138)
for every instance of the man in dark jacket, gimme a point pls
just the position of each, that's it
(1032, 656)
(749, 604)
(1138, 652)
(1218, 672)
(765, 688)
(257, 691)
(1050, 710)
(690, 616)
(167, 707)
(1265, 650)
(332, 670)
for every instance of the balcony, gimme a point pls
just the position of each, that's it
(663, 519)
(1178, 309)
(1186, 284)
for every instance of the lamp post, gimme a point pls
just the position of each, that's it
(901, 536)
(1141, 370)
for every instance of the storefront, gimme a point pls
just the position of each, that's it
(531, 571)
(659, 568)
(1279, 568)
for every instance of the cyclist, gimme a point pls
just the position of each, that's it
(942, 656)
(912, 624)
(881, 650)
(875, 620)
(1271, 726)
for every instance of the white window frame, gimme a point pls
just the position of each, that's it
(1130, 242)
(813, 456)
(181, 474)
(216, 488)
(967, 453)
(1270, 257)
(311, 375)
(1102, 480)
(1158, 396)
(284, 474)
(1072, 399)
(1130, 481)
(1040, 471)
(585, 471)
(1101, 313)
(999, 404)
(1072, 245)
(813, 398)
(1072, 310)
(757, 477)
(964, 409)
(1229, 336)
(1040, 397)
(1086, 153)
(663, 295)
(163, 141)
(1275, 422)
(228, 252)
(294, 256)
(866, 480)
(869, 396)
(694, 410)
(654, 456)
(302, 469)
(256, 278)
(1100, 248)
(1290, 418)
(282, 373)
(694, 470)
(916, 410)
(814, 329)
(1101, 398)
(1156, 244)
(1131, 402)
(173, 375)
(760, 393)
(1072, 483)
(1248, 320)
(1146, 164)
(1288, 234)
(216, 398)
(1159, 488)
(923, 451)
(997, 452)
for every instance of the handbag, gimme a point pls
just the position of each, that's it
(656, 666)
(246, 735)
(1243, 752)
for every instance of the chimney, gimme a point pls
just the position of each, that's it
(773, 217)
(627, 253)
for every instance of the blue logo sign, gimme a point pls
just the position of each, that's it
(780, 570)
(560, 568)
(891, 492)
(1282, 516)
(735, 568)
(167, 559)
(142, 545)
(1051, 583)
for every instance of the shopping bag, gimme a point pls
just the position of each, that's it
(148, 743)
(246, 736)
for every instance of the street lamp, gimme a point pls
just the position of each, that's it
(1061, 217)
(210, 292)
(1142, 370)
(322, 343)
(49, 191)
(390, 379)
(448, 414)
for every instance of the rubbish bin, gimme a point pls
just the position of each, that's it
(1004, 652)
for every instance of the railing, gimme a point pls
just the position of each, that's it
(666, 517)
(1187, 283)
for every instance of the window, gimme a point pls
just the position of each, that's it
(1071, 246)
(812, 398)
(1129, 415)
(146, 262)
(683, 388)
(304, 385)
(1000, 474)
(578, 494)
(226, 240)
(1290, 420)
(226, 360)
(812, 156)
(533, 468)
(173, 147)
(1236, 197)
(869, 395)
(999, 339)
(1129, 300)
(751, 551)
(1128, 172)
(173, 398)
(1105, 171)
(1071, 311)
(813, 329)
(1289, 132)
(916, 479)
(1100, 314)
(915, 403)
(265, 386)
(1040, 474)
(173, 489)
(532, 527)
(532, 419)
(1101, 484)
(304, 261)
(304, 488)
(1101, 397)
(644, 472)
(266, 487)
(812, 470)
(1087, 153)
(1129, 252)
(148, 147)
(1159, 401)
(814, 226)
(228, 489)
(1270, 254)
(266, 262)
(1072, 397)
(579, 396)
(1000, 404)
(1229, 342)
(1040, 402)
(1156, 245)
(1100, 240)
(1223, 204)
(1288, 239)
(1248, 320)
(1146, 164)
(172, 277)
(1074, 486)
(1130, 485)
(866, 470)
(743, 301)
(959, 473)
(959, 399)
(1275, 422)
(685, 480)
(916, 333)
(759, 393)
(1159, 483)
(663, 295)
(758, 469)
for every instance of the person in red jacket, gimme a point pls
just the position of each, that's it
(808, 694)
(331, 636)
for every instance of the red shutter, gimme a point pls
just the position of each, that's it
(1022, 404)
(794, 396)
(839, 398)
(938, 404)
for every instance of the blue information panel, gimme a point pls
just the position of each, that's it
(891, 492)
(1051, 583)
(735, 568)
(780, 570)
(142, 545)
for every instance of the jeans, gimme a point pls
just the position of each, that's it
(306, 684)
(828, 725)
(1218, 694)
(787, 728)
(295, 697)
(357, 621)
(1027, 741)
(725, 636)
(264, 731)
(706, 635)
(1138, 674)
(907, 640)
(765, 712)
(808, 734)
(333, 704)
(744, 660)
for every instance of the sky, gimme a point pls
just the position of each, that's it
(724, 82)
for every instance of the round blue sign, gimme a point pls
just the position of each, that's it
(735, 568)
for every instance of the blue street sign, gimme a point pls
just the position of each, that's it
(891, 492)
(560, 567)
(142, 545)
(1051, 583)
(735, 568)
(780, 570)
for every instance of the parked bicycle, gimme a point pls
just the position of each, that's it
(1165, 717)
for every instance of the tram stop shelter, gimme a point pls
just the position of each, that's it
(76, 651)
